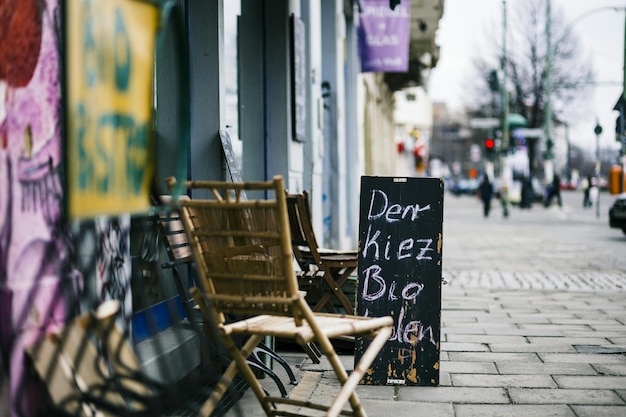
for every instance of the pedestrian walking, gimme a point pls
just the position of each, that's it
(527, 193)
(586, 187)
(554, 191)
(504, 199)
(486, 194)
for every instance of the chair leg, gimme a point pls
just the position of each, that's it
(262, 348)
(312, 351)
(255, 362)
(240, 358)
(335, 285)
(218, 391)
(349, 384)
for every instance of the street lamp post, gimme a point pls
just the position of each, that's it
(598, 131)
(505, 92)
(621, 110)
(547, 157)
(504, 100)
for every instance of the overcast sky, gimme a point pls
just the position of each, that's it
(465, 24)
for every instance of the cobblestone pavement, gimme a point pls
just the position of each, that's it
(567, 248)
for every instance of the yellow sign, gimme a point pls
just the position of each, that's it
(110, 62)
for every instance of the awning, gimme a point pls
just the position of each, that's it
(516, 120)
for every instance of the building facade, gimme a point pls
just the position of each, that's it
(281, 77)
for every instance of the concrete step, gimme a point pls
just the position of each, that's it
(171, 354)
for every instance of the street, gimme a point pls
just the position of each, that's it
(541, 248)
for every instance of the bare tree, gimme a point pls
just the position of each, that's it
(527, 64)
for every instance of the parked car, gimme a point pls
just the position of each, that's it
(465, 186)
(617, 213)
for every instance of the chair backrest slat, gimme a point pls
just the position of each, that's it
(242, 248)
(173, 232)
(300, 219)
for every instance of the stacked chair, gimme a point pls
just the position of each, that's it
(337, 266)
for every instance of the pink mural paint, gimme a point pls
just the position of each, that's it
(39, 288)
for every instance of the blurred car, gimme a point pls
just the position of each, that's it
(465, 186)
(617, 213)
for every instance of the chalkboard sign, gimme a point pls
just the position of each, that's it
(399, 274)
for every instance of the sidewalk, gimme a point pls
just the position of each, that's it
(504, 353)
(521, 334)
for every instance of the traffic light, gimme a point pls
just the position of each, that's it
(490, 147)
(494, 84)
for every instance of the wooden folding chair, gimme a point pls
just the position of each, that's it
(180, 255)
(244, 258)
(336, 265)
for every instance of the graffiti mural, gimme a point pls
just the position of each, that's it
(113, 266)
(39, 287)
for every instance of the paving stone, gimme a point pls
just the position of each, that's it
(445, 379)
(524, 332)
(518, 319)
(568, 340)
(374, 392)
(583, 358)
(559, 327)
(507, 381)
(455, 395)
(482, 325)
(457, 367)
(488, 410)
(463, 330)
(606, 327)
(521, 368)
(603, 334)
(530, 347)
(599, 411)
(564, 396)
(473, 338)
(499, 309)
(597, 382)
(605, 349)
(464, 347)
(493, 357)
(461, 304)
(456, 321)
(459, 314)
(588, 321)
(610, 369)
(408, 409)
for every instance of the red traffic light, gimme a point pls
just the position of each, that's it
(490, 143)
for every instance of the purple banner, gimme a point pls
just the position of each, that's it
(384, 36)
